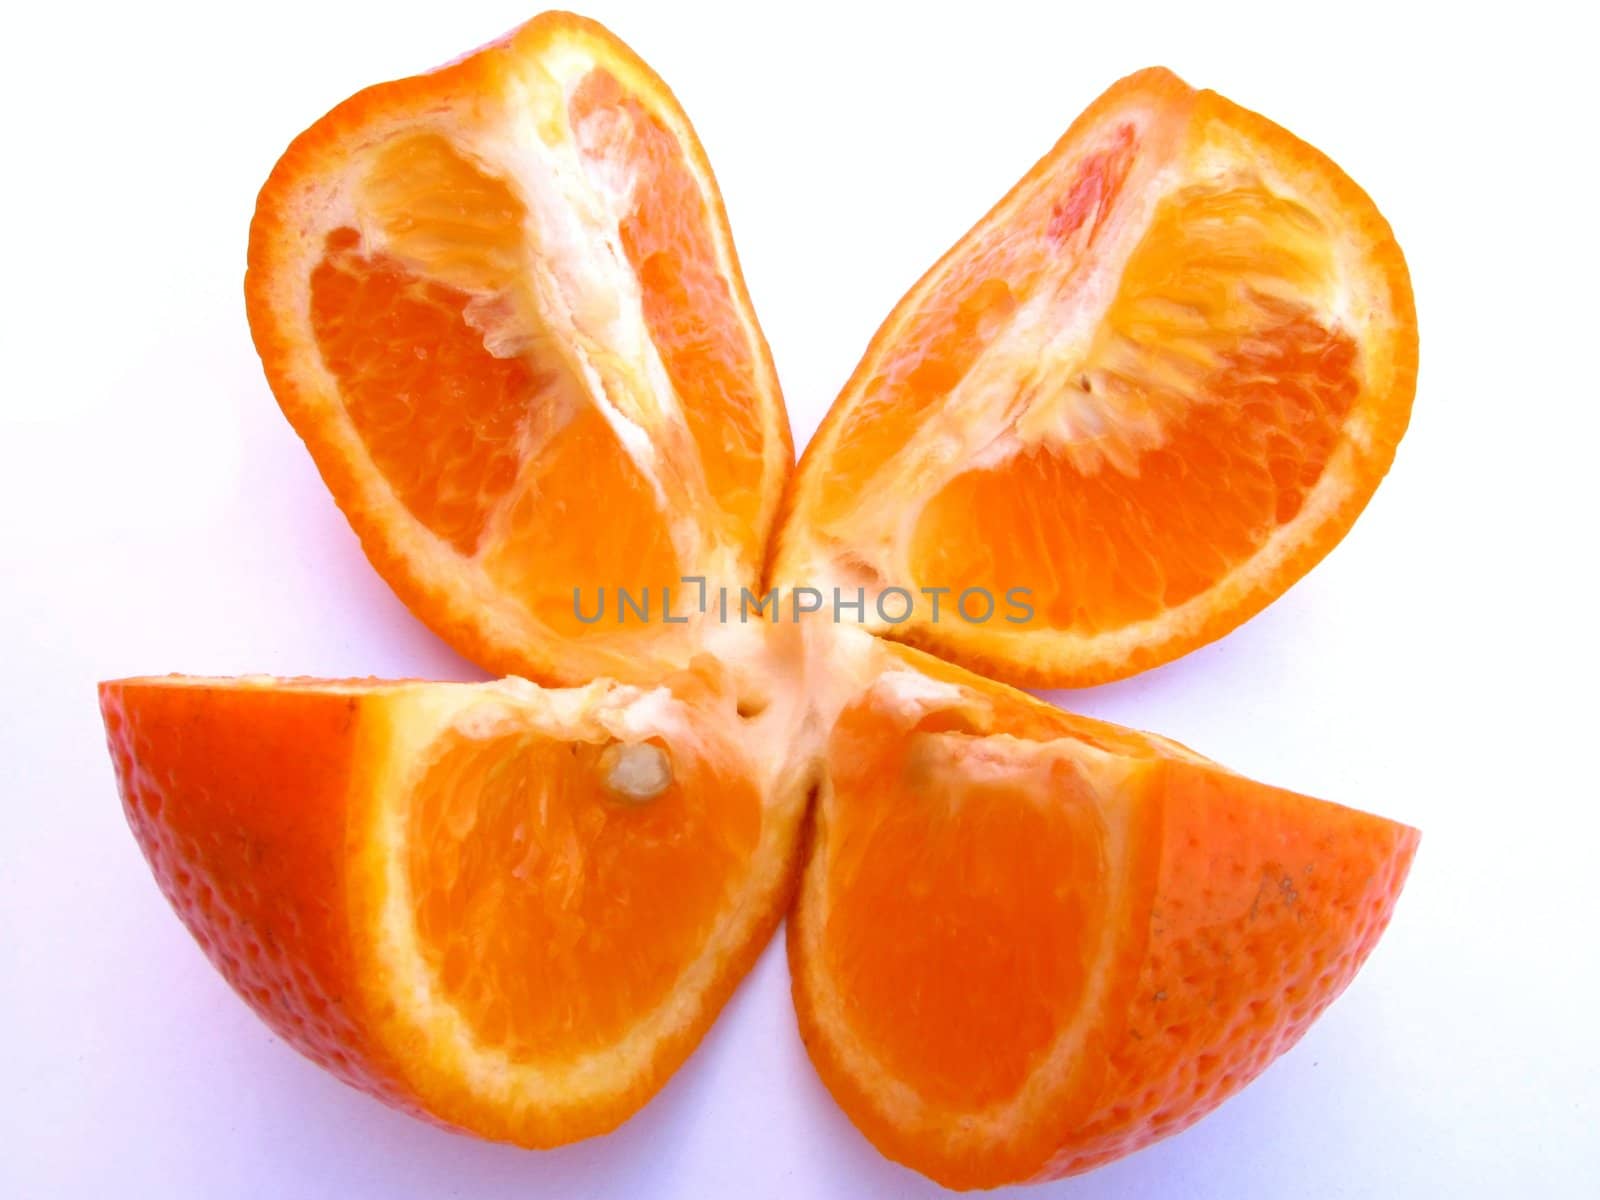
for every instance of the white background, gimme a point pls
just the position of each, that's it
(157, 513)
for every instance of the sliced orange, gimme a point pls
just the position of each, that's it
(1143, 396)
(500, 303)
(1027, 943)
(511, 910)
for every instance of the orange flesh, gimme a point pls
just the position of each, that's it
(473, 441)
(477, 420)
(688, 307)
(964, 914)
(1225, 478)
(1248, 393)
(585, 517)
(441, 417)
(555, 914)
(945, 338)
(942, 346)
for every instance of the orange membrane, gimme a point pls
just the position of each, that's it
(688, 307)
(554, 912)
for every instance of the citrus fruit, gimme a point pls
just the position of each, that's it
(1027, 943)
(1143, 396)
(512, 910)
(500, 303)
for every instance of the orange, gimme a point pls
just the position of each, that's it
(1027, 943)
(514, 911)
(1143, 396)
(500, 302)
(501, 305)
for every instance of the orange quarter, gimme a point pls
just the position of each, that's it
(1028, 943)
(510, 910)
(500, 303)
(1143, 396)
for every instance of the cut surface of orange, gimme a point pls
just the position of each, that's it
(511, 910)
(1027, 943)
(1143, 396)
(500, 303)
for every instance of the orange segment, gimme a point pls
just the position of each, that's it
(596, 901)
(501, 305)
(1019, 952)
(514, 911)
(1143, 396)
(984, 865)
